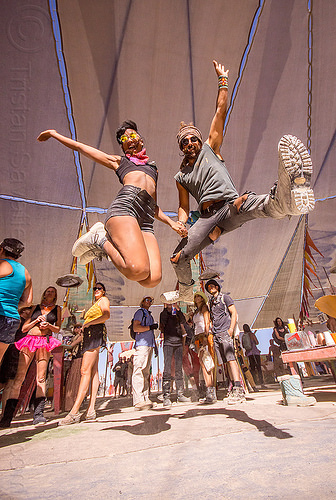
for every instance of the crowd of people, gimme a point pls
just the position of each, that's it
(27, 333)
(195, 344)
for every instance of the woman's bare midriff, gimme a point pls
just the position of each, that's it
(141, 180)
(38, 333)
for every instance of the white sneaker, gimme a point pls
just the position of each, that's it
(95, 253)
(295, 162)
(92, 240)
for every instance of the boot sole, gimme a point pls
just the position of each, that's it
(295, 160)
(170, 297)
(209, 274)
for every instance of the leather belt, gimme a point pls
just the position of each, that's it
(214, 207)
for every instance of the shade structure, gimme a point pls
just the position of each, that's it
(82, 67)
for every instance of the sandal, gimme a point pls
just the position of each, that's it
(70, 419)
(91, 416)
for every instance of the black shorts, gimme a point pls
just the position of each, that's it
(94, 336)
(8, 328)
(137, 203)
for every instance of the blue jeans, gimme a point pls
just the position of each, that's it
(8, 328)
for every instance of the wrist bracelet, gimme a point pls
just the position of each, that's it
(183, 223)
(223, 82)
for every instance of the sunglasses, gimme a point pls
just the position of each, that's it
(97, 288)
(149, 300)
(124, 137)
(186, 140)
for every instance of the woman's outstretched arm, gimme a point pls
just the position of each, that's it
(110, 161)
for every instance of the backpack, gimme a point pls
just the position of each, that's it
(246, 341)
(131, 329)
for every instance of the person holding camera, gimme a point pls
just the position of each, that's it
(143, 326)
(38, 342)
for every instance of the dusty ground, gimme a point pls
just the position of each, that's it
(258, 449)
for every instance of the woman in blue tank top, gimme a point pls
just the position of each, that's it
(15, 290)
(128, 237)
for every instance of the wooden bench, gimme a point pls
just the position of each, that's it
(322, 353)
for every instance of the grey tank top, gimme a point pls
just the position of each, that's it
(208, 179)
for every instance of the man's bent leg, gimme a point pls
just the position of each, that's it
(291, 194)
(197, 240)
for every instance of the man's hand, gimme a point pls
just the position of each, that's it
(180, 228)
(230, 332)
(220, 70)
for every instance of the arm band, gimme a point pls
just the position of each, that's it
(223, 82)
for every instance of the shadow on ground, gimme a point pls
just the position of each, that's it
(154, 424)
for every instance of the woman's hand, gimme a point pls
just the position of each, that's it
(44, 325)
(180, 228)
(44, 136)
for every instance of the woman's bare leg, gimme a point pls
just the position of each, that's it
(42, 359)
(88, 362)
(25, 358)
(94, 386)
(127, 248)
(155, 266)
(208, 378)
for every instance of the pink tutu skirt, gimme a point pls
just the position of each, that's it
(34, 342)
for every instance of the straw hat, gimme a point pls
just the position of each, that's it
(201, 294)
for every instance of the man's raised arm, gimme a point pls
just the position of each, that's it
(215, 138)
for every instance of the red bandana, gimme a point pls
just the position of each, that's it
(139, 158)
